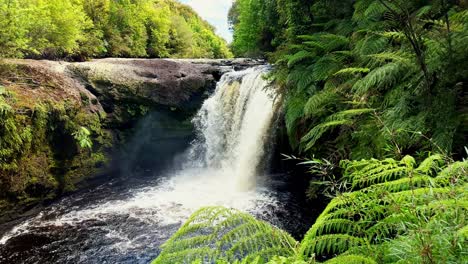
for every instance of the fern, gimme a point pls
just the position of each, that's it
(379, 78)
(351, 259)
(337, 119)
(298, 57)
(352, 71)
(320, 101)
(214, 234)
(359, 225)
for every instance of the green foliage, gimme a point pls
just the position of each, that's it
(225, 236)
(87, 29)
(41, 137)
(395, 212)
(82, 136)
(403, 59)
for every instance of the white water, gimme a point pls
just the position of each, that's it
(221, 167)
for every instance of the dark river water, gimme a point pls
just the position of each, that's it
(127, 221)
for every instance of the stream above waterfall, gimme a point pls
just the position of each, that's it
(127, 221)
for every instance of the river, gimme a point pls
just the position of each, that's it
(126, 221)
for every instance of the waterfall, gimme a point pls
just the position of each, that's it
(233, 127)
(219, 169)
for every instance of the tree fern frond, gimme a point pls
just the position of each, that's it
(379, 78)
(299, 57)
(333, 243)
(401, 57)
(319, 101)
(393, 35)
(325, 42)
(375, 10)
(316, 133)
(430, 164)
(294, 113)
(352, 71)
(454, 173)
(325, 67)
(338, 119)
(351, 259)
(372, 44)
(226, 234)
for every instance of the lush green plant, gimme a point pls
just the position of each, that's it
(87, 29)
(82, 136)
(225, 236)
(380, 80)
(393, 212)
(41, 137)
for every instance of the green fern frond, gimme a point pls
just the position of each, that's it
(375, 10)
(316, 133)
(352, 71)
(325, 42)
(431, 164)
(338, 119)
(351, 259)
(455, 173)
(401, 57)
(379, 78)
(393, 35)
(333, 243)
(299, 57)
(325, 67)
(294, 113)
(216, 233)
(372, 44)
(319, 101)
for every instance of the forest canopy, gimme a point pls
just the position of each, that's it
(82, 29)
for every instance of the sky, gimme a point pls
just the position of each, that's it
(215, 12)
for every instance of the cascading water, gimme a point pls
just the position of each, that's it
(115, 225)
(234, 125)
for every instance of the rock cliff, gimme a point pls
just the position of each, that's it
(45, 104)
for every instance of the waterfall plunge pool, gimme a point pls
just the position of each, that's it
(126, 222)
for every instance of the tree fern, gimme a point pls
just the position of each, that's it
(361, 225)
(351, 259)
(213, 234)
(381, 185)
(320, 101)
(337, 119)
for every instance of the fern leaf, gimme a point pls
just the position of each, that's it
(319, 101)
(216, 233)
(337, 119)
(351, 259)
(351, 71)
(382, 77)
(299, 57)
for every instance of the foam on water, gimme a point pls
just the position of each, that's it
(221, 169)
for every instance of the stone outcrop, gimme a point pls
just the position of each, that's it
(44, 103)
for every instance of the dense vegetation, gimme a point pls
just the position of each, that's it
(78, 29)
(375, 100)
(51, 137)
(392, 212)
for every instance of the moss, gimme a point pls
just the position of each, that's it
(39, 158)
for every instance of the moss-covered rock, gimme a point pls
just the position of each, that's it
(45, 104)
(39, 157)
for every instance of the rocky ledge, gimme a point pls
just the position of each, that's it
(46, 105)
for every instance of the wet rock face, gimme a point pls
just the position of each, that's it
(160, 81)
(127, 87)
(118, 100)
